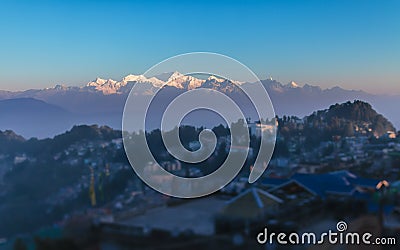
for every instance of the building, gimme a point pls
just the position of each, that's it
(251, 207)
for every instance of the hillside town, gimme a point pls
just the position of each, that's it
(353, 175)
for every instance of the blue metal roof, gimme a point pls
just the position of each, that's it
(339, 182)
(323, 184)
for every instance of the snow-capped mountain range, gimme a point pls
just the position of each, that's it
(101, 101)
(175, 79)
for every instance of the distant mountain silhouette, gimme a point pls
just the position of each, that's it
(28, 105)
(102, 102)
(31, 117)
(36, 118)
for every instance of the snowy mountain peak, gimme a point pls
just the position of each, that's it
(60, 87)
(180, 81)
(175, 76)
(141, 79)
(97, 81)
(133, 78)
(109, 86)
(100, 82)
(214, 78)
(293, 84)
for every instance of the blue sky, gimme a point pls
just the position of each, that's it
(353, 44)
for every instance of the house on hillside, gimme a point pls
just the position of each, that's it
(245, 212)
(323, 186)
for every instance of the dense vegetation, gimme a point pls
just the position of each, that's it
(340, 120)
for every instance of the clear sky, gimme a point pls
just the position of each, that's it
(351, 43)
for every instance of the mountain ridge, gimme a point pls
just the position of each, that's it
(356, 112)
(111, 86)
(102, 101)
